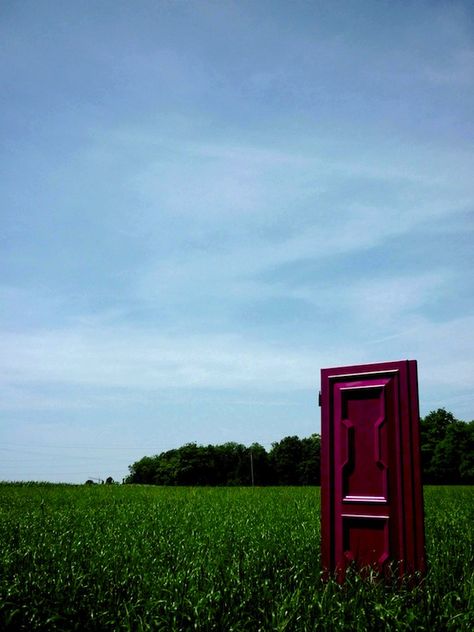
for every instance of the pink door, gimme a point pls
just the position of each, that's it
(371, 493)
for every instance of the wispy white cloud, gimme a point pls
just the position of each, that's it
(388, 301)
(306, 190)
(131, 361)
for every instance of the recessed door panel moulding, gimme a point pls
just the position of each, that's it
(371, 493)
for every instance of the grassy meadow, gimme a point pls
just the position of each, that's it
(153, 558)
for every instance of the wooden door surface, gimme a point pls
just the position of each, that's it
(371, 492)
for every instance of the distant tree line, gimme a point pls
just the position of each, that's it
(447, 447)
(291, 461)
(108, 481)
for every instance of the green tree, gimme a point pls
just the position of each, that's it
(466, 465)
(262, 470)
(448, 453)
(432, 431)
(232, 464)
(309, 468)
(143, 471)
(447, 448)
(285, 457)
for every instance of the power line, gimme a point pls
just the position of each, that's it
(73, 447)
(128, 448)
(86, 457)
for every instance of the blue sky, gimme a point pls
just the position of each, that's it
(204, 203)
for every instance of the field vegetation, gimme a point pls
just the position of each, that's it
(110, 557)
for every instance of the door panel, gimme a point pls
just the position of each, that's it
(363, 444)
(366, 540)
(371, 497)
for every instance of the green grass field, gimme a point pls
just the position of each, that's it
(147, 558)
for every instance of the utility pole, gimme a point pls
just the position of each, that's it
(251, 468)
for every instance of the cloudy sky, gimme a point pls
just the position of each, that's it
(204, 203)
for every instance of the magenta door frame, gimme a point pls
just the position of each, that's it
(371, 491)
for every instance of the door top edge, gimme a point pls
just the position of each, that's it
(370, 367)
